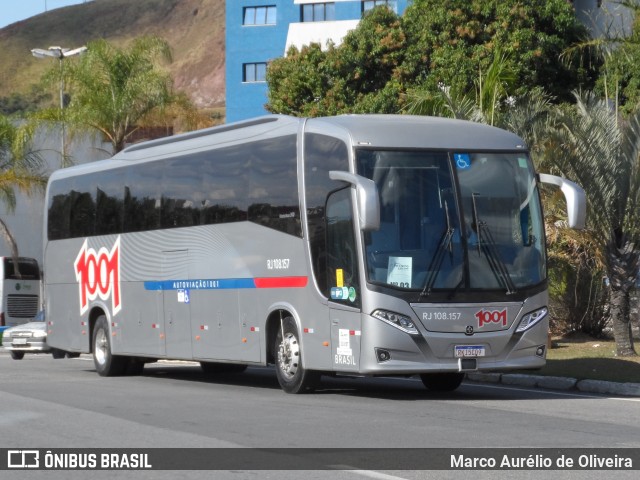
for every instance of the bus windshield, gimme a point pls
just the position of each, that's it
(454, 221)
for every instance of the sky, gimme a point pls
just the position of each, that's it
(12, 11)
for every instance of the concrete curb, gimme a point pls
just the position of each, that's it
(558, 383)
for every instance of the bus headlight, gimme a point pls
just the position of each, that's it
(531, 318)
(401, 322)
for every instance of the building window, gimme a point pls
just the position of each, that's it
(265, 15)
(318, 12)
(370, 4)
(254, 72)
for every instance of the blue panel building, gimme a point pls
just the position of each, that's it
(258, 31)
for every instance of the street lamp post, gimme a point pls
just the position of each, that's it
(59, 53)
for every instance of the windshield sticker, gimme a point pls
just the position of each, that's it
(463, 161)
(522, 162)
(399, 271)
(339, 278)
(341, 293)
(352, 294)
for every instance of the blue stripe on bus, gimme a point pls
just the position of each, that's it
(202, 284)
(227, 283)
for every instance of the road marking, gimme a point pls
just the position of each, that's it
(367, 473)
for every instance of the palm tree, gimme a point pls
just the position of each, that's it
(20, 169)
(483, 105)
(602, 152)
(116, 91)
(576, 256)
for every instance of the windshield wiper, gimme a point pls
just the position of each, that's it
(438, 256)
(490, 250)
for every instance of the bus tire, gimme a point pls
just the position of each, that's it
(215, 368)
(57, 354)
(107, 364)
(442, 381)
(134, 367)
(17, 355)
(292, 376)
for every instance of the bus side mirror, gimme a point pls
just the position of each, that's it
(367, 197)
(575, 197)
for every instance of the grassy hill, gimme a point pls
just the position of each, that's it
(194, 29)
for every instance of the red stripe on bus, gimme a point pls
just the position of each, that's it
(281, 282)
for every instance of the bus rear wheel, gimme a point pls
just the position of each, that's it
(292, 376)
(107, 364)
(442, 381)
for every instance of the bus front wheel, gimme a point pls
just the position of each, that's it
(442, 381)
(107, 364)
(292, 376)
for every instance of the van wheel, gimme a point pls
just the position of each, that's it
(292, 376)
(442, 381)
(107, 364)
(17, 355)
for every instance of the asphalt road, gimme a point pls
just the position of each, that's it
(46, 403)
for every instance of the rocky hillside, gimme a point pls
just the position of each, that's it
(194, 28)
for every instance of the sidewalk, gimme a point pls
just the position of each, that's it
(558, 383)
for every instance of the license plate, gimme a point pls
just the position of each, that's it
(19, 341)
(462, 351)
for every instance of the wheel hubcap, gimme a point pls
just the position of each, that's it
(289, 355)
(101, 346)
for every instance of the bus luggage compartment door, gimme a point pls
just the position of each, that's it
(177, 312)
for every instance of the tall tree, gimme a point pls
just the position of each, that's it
(602, 152)
(361, 75)
(118, 90)
(435, 42)
(452, 40)
(20, 169)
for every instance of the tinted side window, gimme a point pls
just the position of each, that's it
(223, 185)
(181, 181)
(59, 209)
(109, 202)
(321, 155)
(342, 260)
(142, 197)
(255, 181)
(82, 219)
(273, 184)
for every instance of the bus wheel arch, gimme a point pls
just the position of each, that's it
(287, 353)
(107, 364)
(94, 315)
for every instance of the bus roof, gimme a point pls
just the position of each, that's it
(383, 131)
(408, 131)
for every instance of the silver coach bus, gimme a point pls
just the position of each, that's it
(358, 244)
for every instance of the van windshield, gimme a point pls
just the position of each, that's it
(28, 269)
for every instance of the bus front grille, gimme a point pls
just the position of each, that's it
(22, 306)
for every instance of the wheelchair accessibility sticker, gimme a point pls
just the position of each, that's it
(463, 161)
